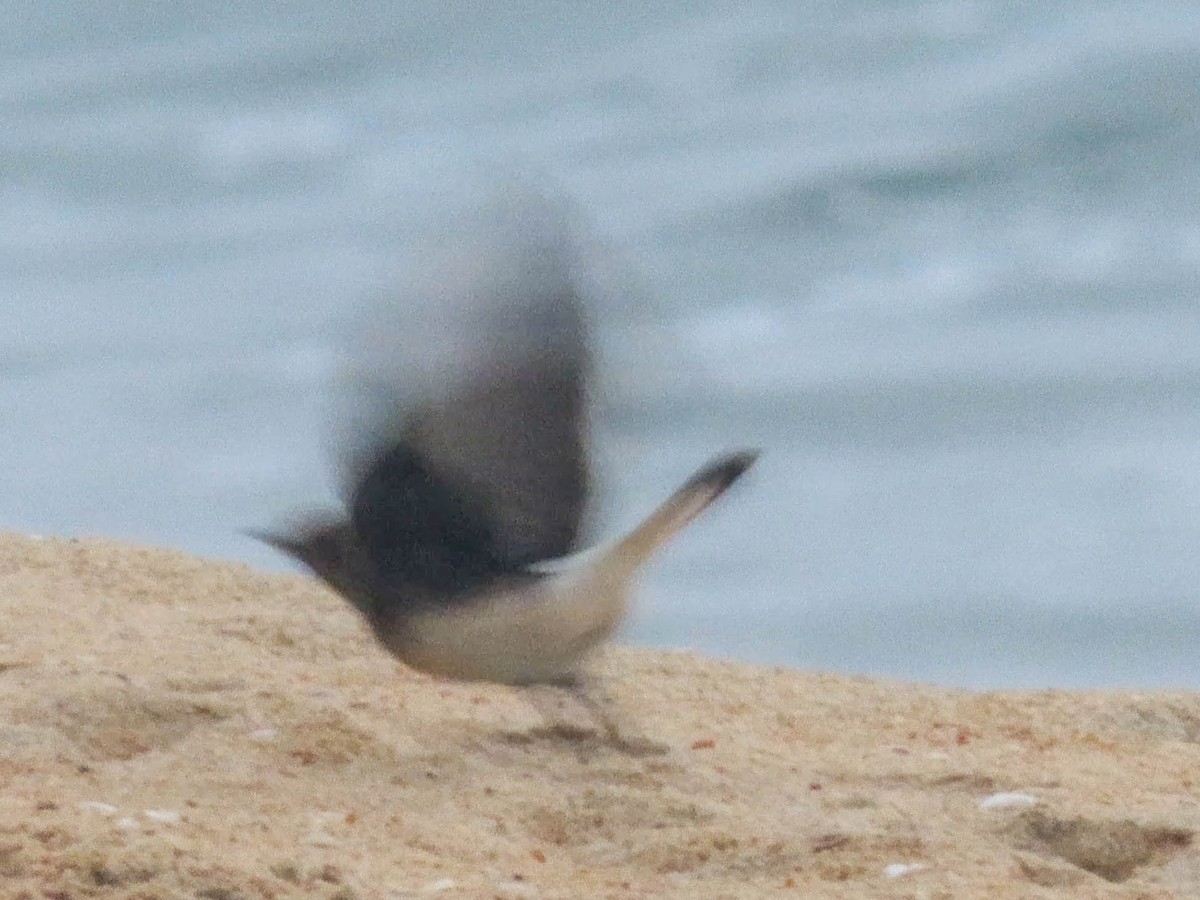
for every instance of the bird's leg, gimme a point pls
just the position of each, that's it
(548, 698)
(601, 714)
(578, 691)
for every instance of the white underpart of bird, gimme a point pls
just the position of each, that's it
(542, 631)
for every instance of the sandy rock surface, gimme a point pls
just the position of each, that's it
(179, 728)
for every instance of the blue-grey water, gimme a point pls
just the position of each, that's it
(941, 260)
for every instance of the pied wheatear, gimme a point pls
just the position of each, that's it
(466, 498)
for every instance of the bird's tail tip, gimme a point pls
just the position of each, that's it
(705, 486)
(722, 471)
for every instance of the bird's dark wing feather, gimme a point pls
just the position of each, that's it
(485, 470)
(422, 531)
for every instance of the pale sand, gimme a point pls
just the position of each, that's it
(180, 728)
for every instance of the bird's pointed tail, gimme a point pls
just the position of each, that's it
(681, 507)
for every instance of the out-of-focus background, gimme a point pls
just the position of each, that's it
(940, 259)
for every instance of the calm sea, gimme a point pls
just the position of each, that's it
(941, 260)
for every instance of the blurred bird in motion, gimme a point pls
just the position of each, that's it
(467, 490)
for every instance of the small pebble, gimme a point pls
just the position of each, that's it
(436, 887)
(126, 823)
(1006, 799)
(166, 816)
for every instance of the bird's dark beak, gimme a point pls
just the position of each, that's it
(283, 542)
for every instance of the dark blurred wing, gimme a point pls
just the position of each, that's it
(480, 465)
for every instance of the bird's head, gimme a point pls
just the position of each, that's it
(329, 548)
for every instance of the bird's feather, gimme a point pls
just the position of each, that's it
(476, 461)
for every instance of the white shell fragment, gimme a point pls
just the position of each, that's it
(105, 809)
(895, 870)
(1007, 799)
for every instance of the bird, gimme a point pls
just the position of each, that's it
(460, 540)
